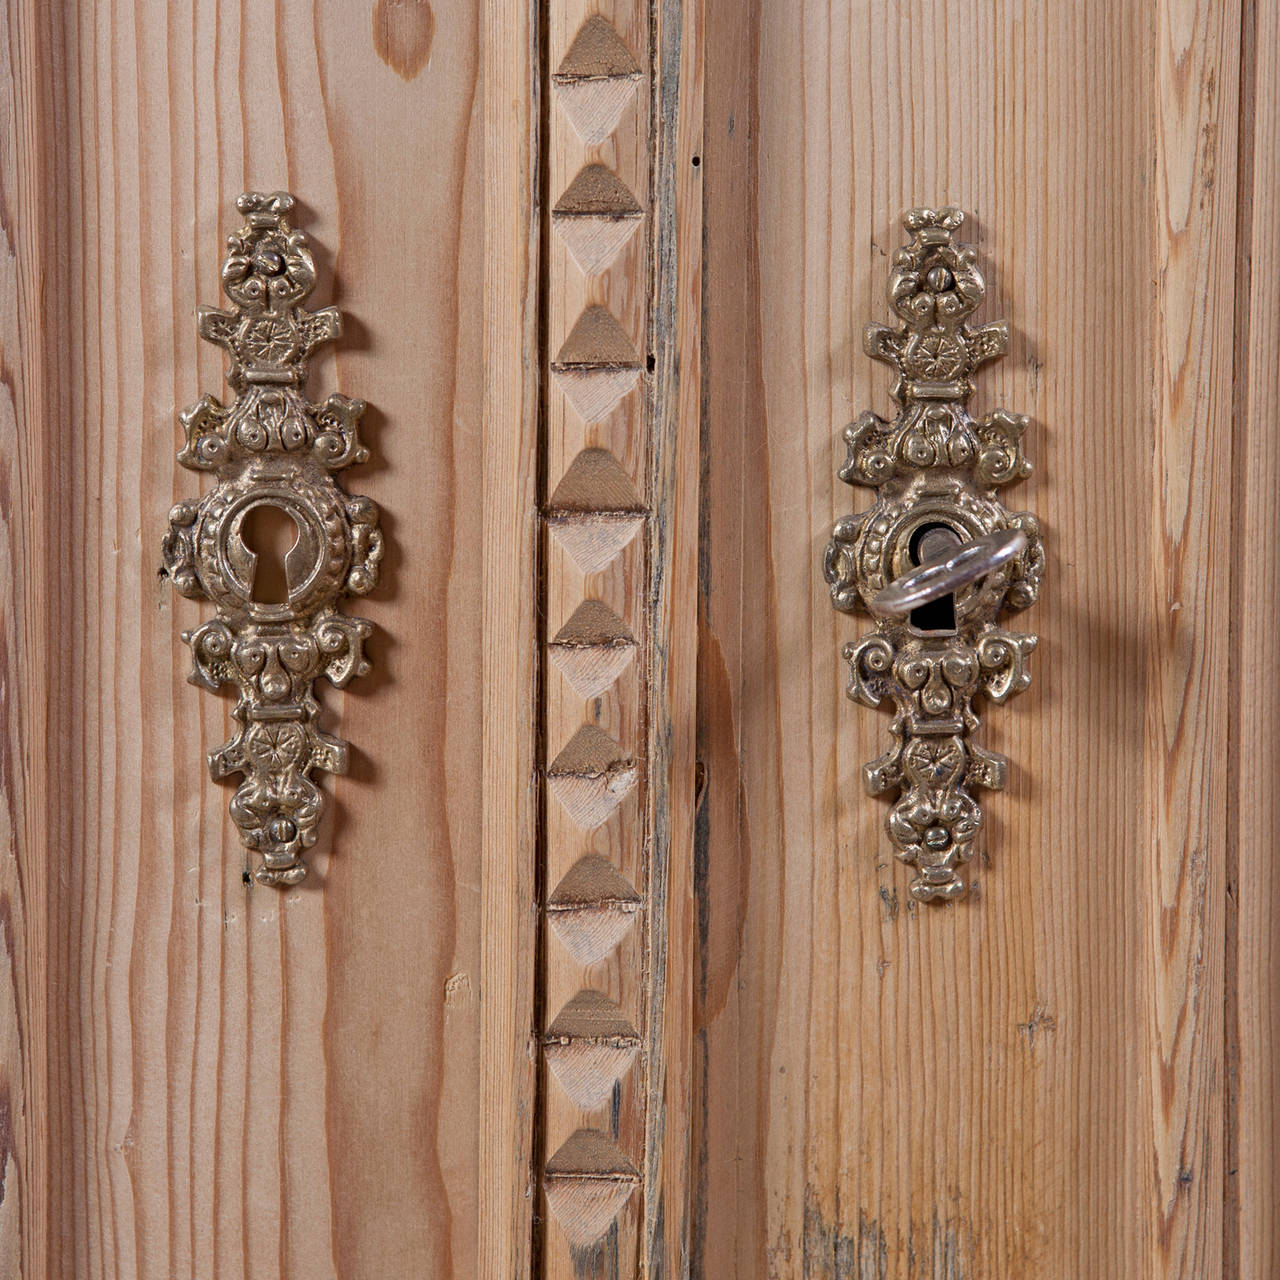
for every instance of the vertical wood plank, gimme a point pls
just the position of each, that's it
(403, 889)
(622, 289)
(29, 576)
(244, 1083)
(1194, 123)
(674, 471)
(509, 1051)
(885, 1089)
(1253, 1009)
(598, 434)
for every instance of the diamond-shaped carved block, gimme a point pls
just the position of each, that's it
(591, 776)
(596, 217)
(596, 79)
(597, 365)
(595, 510)
(592, 908)
(589, 1047)
(593, 648)
(588, 1180)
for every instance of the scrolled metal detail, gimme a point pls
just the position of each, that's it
(272, 448)
(935, 471)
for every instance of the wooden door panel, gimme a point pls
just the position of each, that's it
(241, 1082)
(1070, 1073)
(1032, 1082)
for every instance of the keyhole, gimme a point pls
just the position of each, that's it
(928, 542)
(270, 534)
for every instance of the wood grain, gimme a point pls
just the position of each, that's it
(30, 449)
(1252, 1250)
(1032, 1083)
(512, 214)
(815, 1077)
(1183, 817)
(244, 1083)
(674, 480)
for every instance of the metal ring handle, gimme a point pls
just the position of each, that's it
(945, 574)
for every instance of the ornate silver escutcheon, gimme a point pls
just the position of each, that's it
(271, 449)
(937, 558)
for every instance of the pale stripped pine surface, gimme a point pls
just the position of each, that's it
(1031, 1083)
(508, 1051)
(240, 1083)
(26, 492)
(1253, 1031)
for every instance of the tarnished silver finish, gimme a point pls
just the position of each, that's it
(937, 558)
(272, 449)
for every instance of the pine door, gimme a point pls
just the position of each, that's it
(604, 966)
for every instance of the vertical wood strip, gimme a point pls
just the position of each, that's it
(509, 923)
(673, 611)
(594, 738)
(29, 575)
(622, 291)
(1193, 536)
(1253, 1032)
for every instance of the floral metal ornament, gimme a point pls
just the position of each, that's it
(937, 558)
(271, 448)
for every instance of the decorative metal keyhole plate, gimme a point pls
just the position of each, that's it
(271, 448)
(935, 470)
